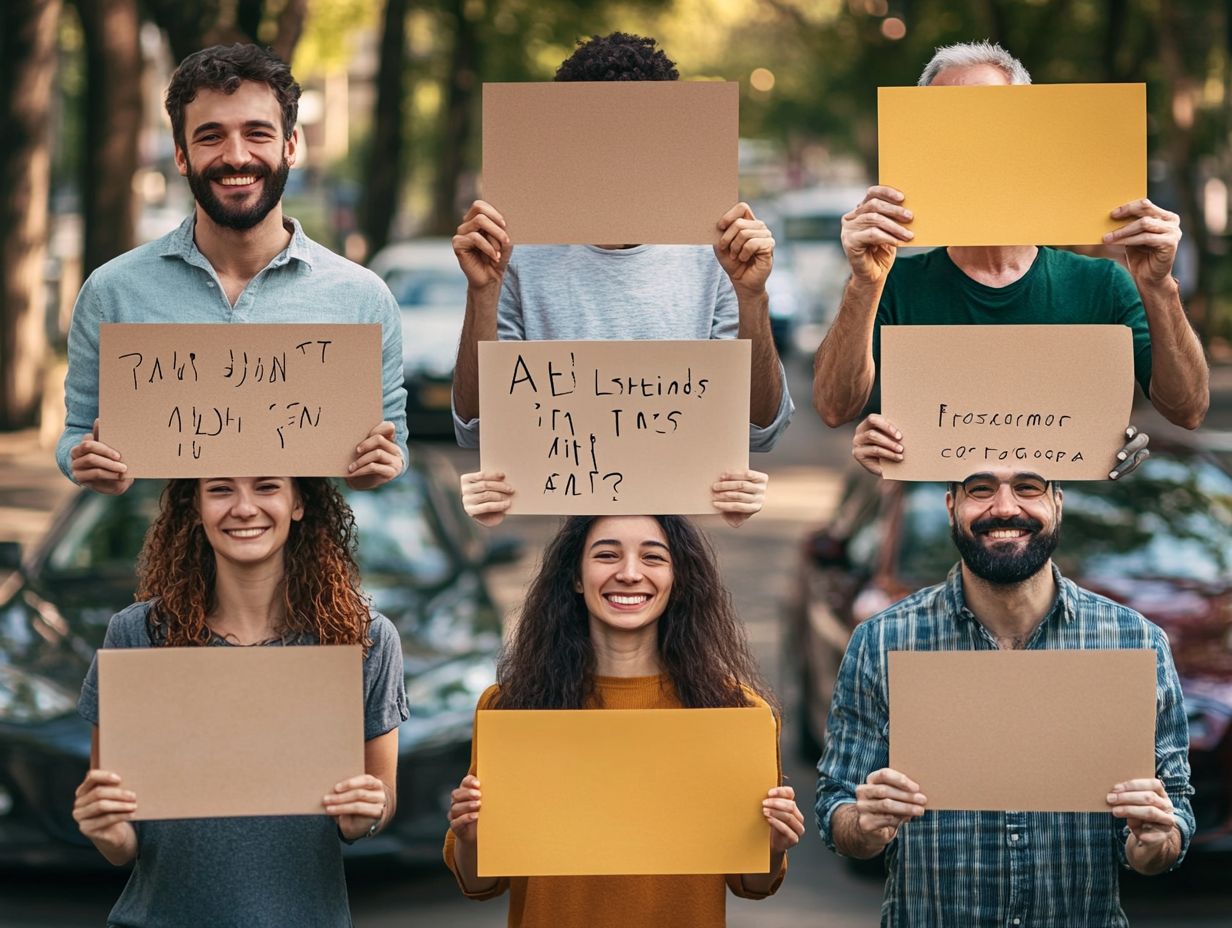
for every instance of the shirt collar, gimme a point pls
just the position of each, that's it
(180, 244)
(1064, 607)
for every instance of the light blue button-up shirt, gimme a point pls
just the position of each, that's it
(170, 281)
(995, 869)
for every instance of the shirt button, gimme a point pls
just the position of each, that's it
(1017, 921)
(210, 282)
(1014, 838)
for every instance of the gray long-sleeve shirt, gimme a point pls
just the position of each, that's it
(584, 292)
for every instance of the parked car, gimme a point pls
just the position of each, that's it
(1159, 541)
(421, 559)
(424, 277)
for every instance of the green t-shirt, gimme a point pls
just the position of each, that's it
(1059, 287)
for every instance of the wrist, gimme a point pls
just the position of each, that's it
(1159, 289)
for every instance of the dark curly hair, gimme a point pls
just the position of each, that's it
(321, 592)
(224, 68)
(549, 663)
(617, 57)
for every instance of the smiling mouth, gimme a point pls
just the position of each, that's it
(1006, 534)
(244, 532)
(237, 180)
(627, 599)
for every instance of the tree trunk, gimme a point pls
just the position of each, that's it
(289, 28)
(457, 120)
(1180, 152)
(385, 156)
(27, 69)
(113, 107)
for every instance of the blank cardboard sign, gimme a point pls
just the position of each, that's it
(614, 427)
(245, 400)
(620, 769)
(1050, 399)
(1032, 731)
(209, 732)
(611, 162)
(1039, 164)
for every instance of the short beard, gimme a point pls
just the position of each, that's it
(239, 219)
(1006, 568)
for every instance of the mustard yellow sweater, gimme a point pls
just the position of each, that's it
(616, 901)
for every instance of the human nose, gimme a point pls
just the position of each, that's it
(243, 506)
(234, 152)
(1004, 502)
(630, 570)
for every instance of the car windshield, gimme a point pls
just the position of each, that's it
(418, 287)
(1171, 519)
(397, 532)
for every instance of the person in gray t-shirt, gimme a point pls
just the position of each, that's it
(232, 562)
(619, 291)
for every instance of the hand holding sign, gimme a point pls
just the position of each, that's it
(98, 466)
(746, 249)
(873, 231)
(884, 801)
(482, 246)
(103, 810)
(1150, 236)
(486, 496)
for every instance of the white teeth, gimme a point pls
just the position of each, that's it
(633, 600)
(244, 532)
(1005, 533)
(237, 181)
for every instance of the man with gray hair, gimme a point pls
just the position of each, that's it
(1022, 284)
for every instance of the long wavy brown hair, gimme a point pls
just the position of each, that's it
(549, 662)
(321, 593)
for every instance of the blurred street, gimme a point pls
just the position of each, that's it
(758, 562)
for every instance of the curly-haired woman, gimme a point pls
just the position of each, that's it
(261, 561)
(626, 612)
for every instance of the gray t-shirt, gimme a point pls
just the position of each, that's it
(584, 292)
(249, 872)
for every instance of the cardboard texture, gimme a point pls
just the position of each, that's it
(1031, 731)
(1050, 399)
(614, 427)
(209, 732)
(1041, 164)
(620, 767)
(246, 400)
(620, 162)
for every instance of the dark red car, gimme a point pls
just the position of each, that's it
(1159, 541)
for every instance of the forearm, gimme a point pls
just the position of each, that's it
(849, 840)
(843, 369)
(762, 884)
(1150, 859)
(466, 867)
(1180, 379)
(478, 325)
(765, 389)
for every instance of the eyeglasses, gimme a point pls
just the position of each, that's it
(1023, 486)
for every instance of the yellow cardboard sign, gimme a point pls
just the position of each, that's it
(1020, 165)
(590, 792)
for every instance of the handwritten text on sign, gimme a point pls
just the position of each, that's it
(238, 400)
(594, 427)
(1050, 399)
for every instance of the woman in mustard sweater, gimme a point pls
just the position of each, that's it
(626, 612)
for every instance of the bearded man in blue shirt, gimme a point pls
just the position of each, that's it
(1043, 869)
(237, 258)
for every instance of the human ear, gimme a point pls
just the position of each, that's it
(290, 146)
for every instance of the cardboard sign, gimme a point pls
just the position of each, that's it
(611, 162)
(1032, 731)
(1040, 164)
(605, 808)
(608, 428)
(209, 732)
(238, 400)
(1050, 399)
